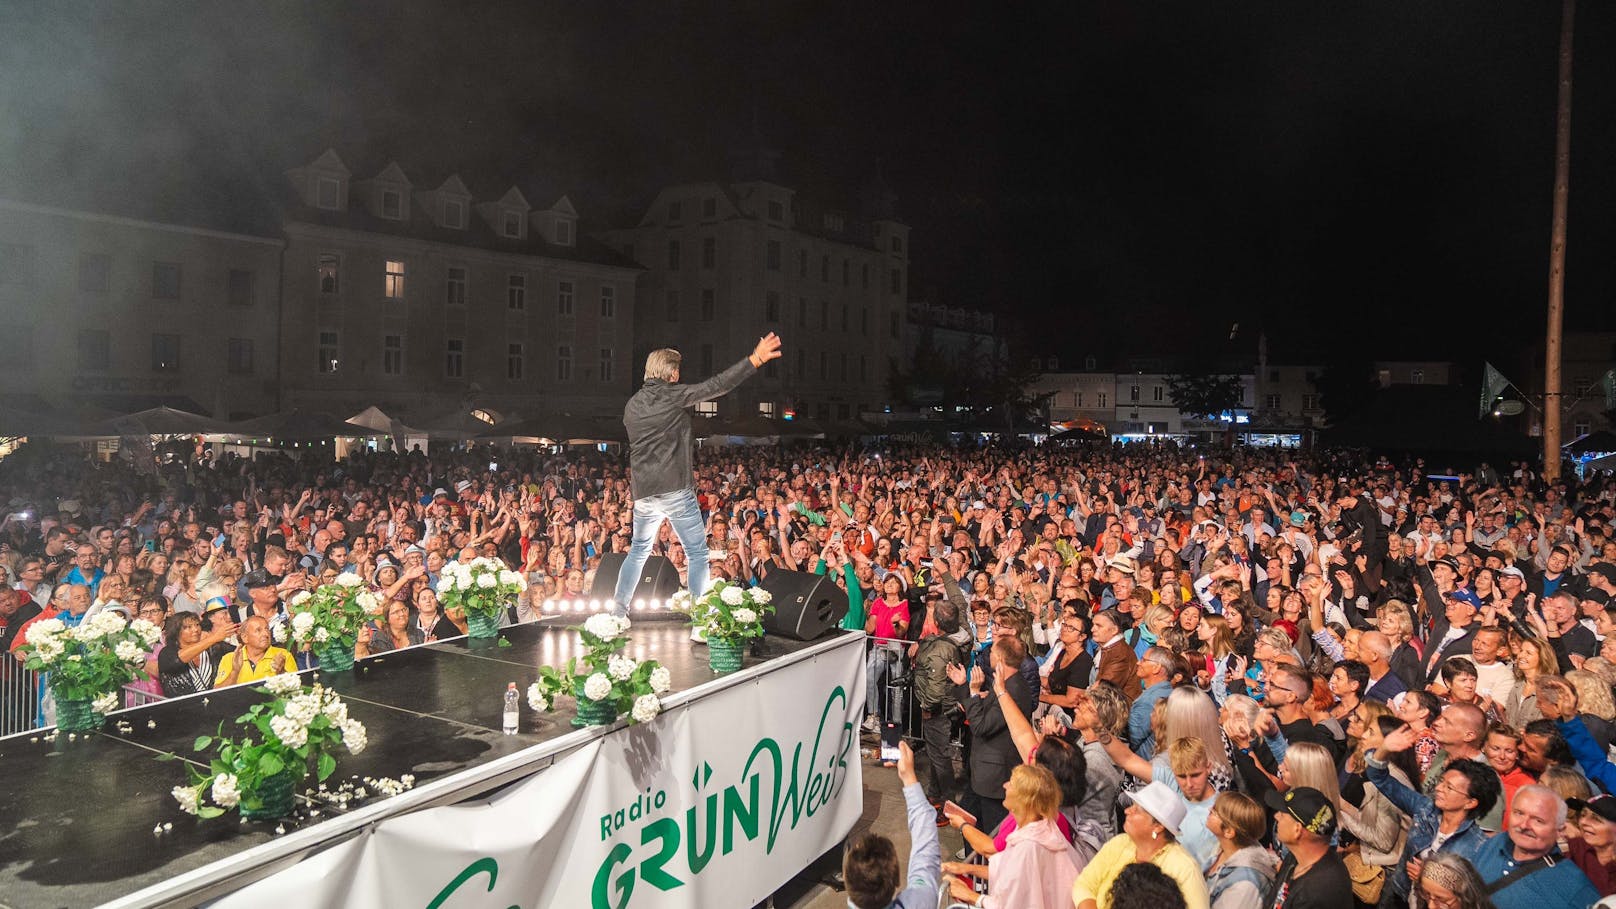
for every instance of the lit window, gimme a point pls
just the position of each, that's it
(328, 352)
(328, 272)
(394, 286)
(707, 408)
(766, 408)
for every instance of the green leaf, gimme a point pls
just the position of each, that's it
(328, 766)
(503, 643)
(208, 811)
(168, 756)
(202, 741)
(270, 764)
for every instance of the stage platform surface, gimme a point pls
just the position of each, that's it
(77, 816)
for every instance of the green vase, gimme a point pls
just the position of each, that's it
(482, 627)
(724, 654)
(595, 713)
(275, 797)
(75, 715)
(335, 657)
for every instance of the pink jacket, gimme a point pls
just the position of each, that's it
(1035, 871)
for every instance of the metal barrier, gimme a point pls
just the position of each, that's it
(19, 697)
(134, 696)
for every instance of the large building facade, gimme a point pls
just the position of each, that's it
(726, 263)
(106, 313)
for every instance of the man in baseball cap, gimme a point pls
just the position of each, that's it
(1313, 875)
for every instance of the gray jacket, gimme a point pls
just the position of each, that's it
(658, 423)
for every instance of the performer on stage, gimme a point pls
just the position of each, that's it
(658, 423)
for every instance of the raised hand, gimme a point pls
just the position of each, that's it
(768, 348)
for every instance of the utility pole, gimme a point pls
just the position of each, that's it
(1552, 397)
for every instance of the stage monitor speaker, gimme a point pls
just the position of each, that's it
(659, 580)
(805, 605)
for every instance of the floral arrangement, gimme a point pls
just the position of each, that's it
(92, 661)
(728, 612)
(330, 616)
(480, 589)
(605, 683)
(287, 737)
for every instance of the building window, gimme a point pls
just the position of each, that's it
(328, 193)
(454, 214)
(1271, 402)
(772, 254)
(563, 233)
(1580, 429)
(864, 368)
(239, 287)
(392, 204)
(843, 371)
(608, 302)
(564, 363)
(1090, 363)
(1054, 364)
(802, 263)
(897, 244)
(766, 409)
(95, 273)
(239, 356)
(675, 212)
(709, 207)
(771, 306)
(165, 353)
(1417, 377)
(802, 312)
(893, 327)
(897, 281)
(673, 306)
(834, 223)
(824, 365)
(165, 281)
(777, 210)
(1133, 393)
(1310, 402)
(709, 304)
(392, 355)
(393, 287)
(1158, 394)
(605, 364)
(865, 271)
(564, 298)
(516, 292)
(328, 273)
(847, 273)
(95, 349)
(511, 226)
(844, 317)
(454, 292)
(706, 359)
(673, 255)
(824, 315)
(824, 269)
(513, 362)
(709, 252)
(1077, 399)
(1102, 399)
(1580, 385)
(454, 357)
(328, 352)
(707, 409)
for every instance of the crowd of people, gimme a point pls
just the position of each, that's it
(1203, 677)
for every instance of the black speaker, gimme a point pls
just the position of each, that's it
(805, 605)
(659, 580)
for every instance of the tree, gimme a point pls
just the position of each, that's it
(1205, 394)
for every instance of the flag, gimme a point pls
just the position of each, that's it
(1493, 384)
(1608, 382)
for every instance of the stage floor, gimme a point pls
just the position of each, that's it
(78, 814)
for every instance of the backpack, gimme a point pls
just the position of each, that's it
(933, 689)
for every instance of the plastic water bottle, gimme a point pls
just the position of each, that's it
(512, 700)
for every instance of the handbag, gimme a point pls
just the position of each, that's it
(1367, 879)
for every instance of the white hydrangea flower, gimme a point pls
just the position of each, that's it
(621, 667)
(446, 583)
(463, 582)
(508, 577)
(646, 708)
(303, 708)
(661, 679)
(291, 733)
(50, 649)
(149, 633)
(303, 596)
(187, 797)
(348, 579)
(605, 626)
(762, 597)
(277, 632)
(105, 703)
(336, 711)
(744, 616)
(369, 602)
(487, 581)
(226, 790)
(322, 635)
(536, 698)
(45, 628)
(597, 687)
(129, 652)
(302, 622)
(732, 596)
(283, 684)
(354, 736)
(682, 599)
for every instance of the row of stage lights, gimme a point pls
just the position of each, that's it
(644, 607)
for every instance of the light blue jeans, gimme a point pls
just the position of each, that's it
(680, 509)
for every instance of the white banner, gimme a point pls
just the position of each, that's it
(715, 804)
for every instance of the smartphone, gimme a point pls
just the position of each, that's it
(493, 465)
(891, 734)
(589, 549)
(218, 540)
(953, 810)
(151, 545)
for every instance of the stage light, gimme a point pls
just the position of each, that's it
(579, 605)
(594, 605)
(549, 605)
(656, 605)
(639, 605)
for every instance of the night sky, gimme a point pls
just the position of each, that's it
(1367, 178)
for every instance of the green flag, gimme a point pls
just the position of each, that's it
(1493, 384)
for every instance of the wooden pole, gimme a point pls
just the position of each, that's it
(1552, 397)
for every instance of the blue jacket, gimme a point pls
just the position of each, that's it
(1139, 734)
(1422, 831)
(1561, 886)
(1588, 753)
(925, 855)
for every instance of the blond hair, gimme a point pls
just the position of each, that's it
(1188, 755)
(1593, 694)
(1311, 765)
(1034, 788)
(1190, 713)
(662, 364)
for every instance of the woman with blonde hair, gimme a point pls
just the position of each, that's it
(1534, 658)
(1309, 764)
(1239, 877)
(1146, 633)
(1191, 713)
(1037, 867)
(1396, 622)
(1593, 695)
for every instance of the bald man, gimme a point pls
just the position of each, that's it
(1375, 650)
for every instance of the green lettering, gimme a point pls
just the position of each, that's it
(600, 898)
(484, 865)
(696, 855)
(746, 812)
(667, 830)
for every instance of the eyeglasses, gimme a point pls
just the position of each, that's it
(1444, 784)
(1439, 901)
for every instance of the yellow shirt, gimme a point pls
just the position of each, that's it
(253, 672)
(1119, 852)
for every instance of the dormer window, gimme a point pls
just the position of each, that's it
(777, 210)
(563, 233)
(392, 204)
(454, 214)
(328, 193)
(834, 223)
(511, 225)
